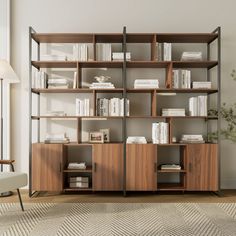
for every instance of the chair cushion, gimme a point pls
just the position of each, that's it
(12, 180)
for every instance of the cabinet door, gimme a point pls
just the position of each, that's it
(202, 167)
(141, 167)
(108, 167)
(47, 167)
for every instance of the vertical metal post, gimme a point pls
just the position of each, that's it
(125, 112)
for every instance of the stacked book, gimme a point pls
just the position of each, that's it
(191, 56)
(203, 85)
(48, 57)
(146, 83)
(198, 106)
(173, 112)
(170, 167)
(39, 80)
(192, 138)
(82, 107)
(103, 52)
(76, 166)
(119, 56)
(56, 138)
(112, 107)
(79, 182)
(160, 133)
(80, 52)
(58, 83)
(181, 79)
(99, 85)
(164, 51)
(136, 139)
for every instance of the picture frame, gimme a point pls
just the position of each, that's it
(96, 137)
(106, 135)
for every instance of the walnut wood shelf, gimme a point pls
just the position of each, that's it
(77, 189)
(170, 187)
(76, 117)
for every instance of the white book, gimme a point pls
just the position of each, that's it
(79, 185)
(79, 179)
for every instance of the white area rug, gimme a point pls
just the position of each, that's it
(118, 219)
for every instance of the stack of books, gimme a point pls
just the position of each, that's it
(57, 138)
(76, 166)
(119, 56)
(48, 57)
(192, 138)
(146, 83)
(191, 56)
(58, 83)
(112, 107)
(136, 139)
(99, 85)
(173, 112)
(103, 52)
(164, 51)
(198, 106)
(39, 80)
(203, 85)
(181, 79)
(160, 133)
(170, 167)
(79, 182)
(82, 107)
(80, 52)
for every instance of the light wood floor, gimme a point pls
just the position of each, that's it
(99, 197)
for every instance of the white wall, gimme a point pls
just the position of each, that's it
(111, 16)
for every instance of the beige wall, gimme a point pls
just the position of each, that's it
(111, 16)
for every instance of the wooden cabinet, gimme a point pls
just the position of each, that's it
(141, 167)
(47, 160)
(202, 167)
(108, 167)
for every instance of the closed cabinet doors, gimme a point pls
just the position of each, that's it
(202, 167)
(141, 167)
(47, 173)
(108, 167)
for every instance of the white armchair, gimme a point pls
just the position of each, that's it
(12, 180)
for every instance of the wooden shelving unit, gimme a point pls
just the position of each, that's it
(113, 166)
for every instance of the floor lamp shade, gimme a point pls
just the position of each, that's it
(7, 73)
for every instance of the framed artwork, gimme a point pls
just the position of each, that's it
(96, 137)
(106, 134)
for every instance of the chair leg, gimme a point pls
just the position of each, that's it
(21, 204)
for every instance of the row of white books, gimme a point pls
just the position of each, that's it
(198, 106)
(173, 112)
(77, 166)
(56, 138)
(79, 182)
(191, 56)
(164, 51)
(119, 56)
(39, 80)
(100, 85)
(201, 84)
(80, 52)
(181, 79)
(170, 167)
(82, 107)
(103, 51)
(160, 133)
(112, 107)
(146, 83)
(192, 138)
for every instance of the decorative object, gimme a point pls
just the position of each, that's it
(96, 137)
(106, 135)
(102, 78)
(9, 76)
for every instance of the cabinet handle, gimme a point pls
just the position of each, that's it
(94, 166)
(190, 167)
(155, 167)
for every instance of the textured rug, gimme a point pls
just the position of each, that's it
(118, 219)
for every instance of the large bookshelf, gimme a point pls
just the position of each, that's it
(117, 166)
